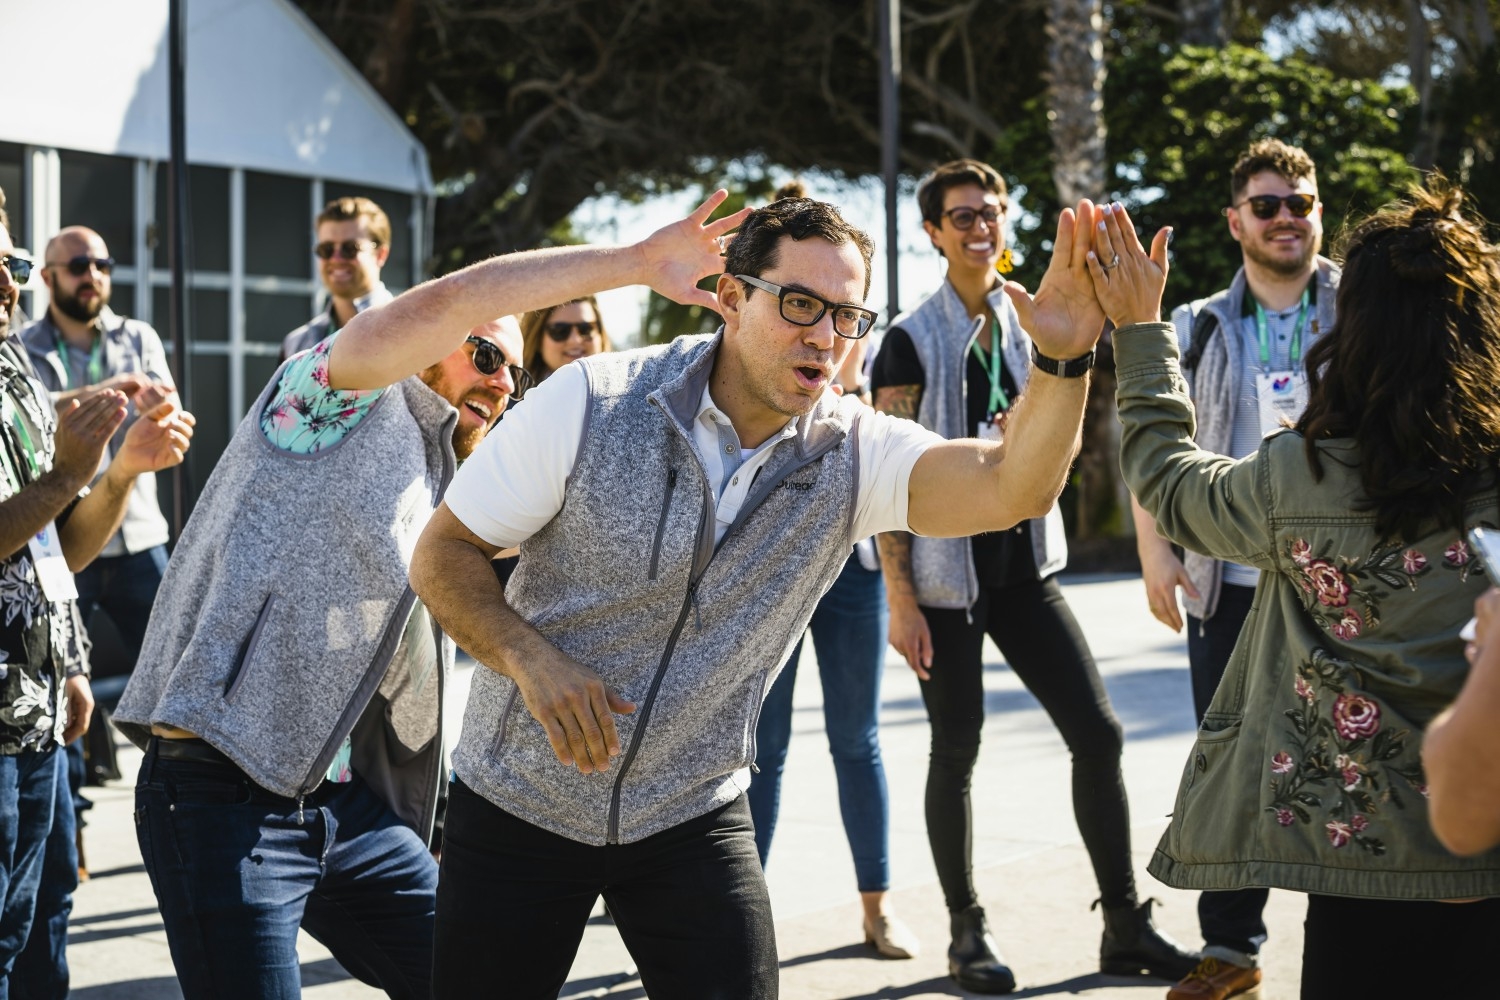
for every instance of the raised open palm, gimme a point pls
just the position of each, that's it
(1064, 317)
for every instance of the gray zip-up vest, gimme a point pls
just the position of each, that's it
(276, 620)
(627, 580)
(941, 330)
(1215, 384)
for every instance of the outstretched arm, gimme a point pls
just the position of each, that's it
(1461, 748)
(419, 328)
(1022, 477)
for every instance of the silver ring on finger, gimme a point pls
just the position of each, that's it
(1113, 262)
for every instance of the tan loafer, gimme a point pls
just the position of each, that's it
(891, 938)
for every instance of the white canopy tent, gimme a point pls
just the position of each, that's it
(277, 123)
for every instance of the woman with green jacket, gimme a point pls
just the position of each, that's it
(1307, 773)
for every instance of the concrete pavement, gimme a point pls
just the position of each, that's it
(1032, 872)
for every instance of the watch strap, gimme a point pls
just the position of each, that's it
(1072, 368)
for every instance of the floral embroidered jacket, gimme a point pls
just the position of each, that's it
(1307, 770)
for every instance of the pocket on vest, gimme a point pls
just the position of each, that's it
(247, 652)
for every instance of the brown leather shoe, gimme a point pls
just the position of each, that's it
(1215, 980)
(891, 938)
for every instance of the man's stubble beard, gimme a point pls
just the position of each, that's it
(70, 306)
(1280, 265)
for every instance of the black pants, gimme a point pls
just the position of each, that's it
(690, 904)
(1398, 948)
(1040, 639)
(1233, 919)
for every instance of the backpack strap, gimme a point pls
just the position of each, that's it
(1205, 325)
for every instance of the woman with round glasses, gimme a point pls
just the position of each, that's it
(553, 337)
(957, 364)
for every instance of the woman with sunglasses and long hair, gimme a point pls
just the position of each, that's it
(1307, 773)
(550, 338)
(957, 364)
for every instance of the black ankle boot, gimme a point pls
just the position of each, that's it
(1132, 944)
(973, 957)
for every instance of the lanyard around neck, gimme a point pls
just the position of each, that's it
(28, 448)
(999, 402)
(1265, 337)
(96, 360)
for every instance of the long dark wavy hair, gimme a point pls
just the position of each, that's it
(1411, 368)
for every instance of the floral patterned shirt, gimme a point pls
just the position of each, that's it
(304, 416)
(31, 627)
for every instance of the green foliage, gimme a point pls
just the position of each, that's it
(1177, 122)
(1469, 113)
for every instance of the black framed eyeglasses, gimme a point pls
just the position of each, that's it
(19, 267)
(805, 309)
(488, 359)
(345, 250)
(79, 266)
(1268, 206)
(963, 216)
(559, 331)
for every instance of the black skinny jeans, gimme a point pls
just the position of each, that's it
(690, 904)
(1398, 948)
(1040, 639)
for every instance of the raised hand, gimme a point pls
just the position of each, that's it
(1064, 318)
(1127, 280)
(680, 255)
(153, 445)
(83, 431)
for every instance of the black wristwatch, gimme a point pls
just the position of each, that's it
(1072, 368)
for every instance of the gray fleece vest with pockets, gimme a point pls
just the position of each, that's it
(286, 600)
(627, 580)
(941, 330)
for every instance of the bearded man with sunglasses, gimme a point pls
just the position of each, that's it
(1242, 354)
(353, 243)
(680, 510)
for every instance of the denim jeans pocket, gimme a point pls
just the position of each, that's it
(186, 783)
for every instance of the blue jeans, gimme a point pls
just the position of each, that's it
(849, 633)
(28, 791)
(41, 970)
(235, 874)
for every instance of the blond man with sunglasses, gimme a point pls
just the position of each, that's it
(353, 243)
(1242, 352)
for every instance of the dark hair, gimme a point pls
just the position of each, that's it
(754, 249)
(932, 188)
(353, 209)
(1409, 370)
(1289, 162)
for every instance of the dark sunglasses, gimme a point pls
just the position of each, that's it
(347, 250)
(488, 359)
(560, 332)
(805, 309)
(18, 266)
(963, 217)
(1268, 206)
(79, 266)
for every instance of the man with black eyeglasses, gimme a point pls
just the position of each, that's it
(52, 523)
(1242, 351)
(352, 244)
(679, 512)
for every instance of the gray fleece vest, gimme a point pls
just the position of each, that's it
(627, 580)
(1215, 385)
(941, 330)
(287, 599)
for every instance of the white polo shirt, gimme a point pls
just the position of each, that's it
(515, 481)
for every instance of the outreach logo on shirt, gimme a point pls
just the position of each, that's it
(1281, 386)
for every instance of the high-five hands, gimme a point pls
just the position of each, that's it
(1064, 318)
(680, 255)
(1128, 281)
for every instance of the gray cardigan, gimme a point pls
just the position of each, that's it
(280, 613)
(941, 330)
(628, 580)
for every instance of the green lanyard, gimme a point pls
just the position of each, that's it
(1265, 338)
(28, 449)
(999, 402)
(96, 361)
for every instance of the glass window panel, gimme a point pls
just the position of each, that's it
(397, 207)
(279, 229)
(12, 158)
(208, 208)
(208, 320)
(210, 389)
(269, 318)
(258, 371)
(122, 299)
(99, 192)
